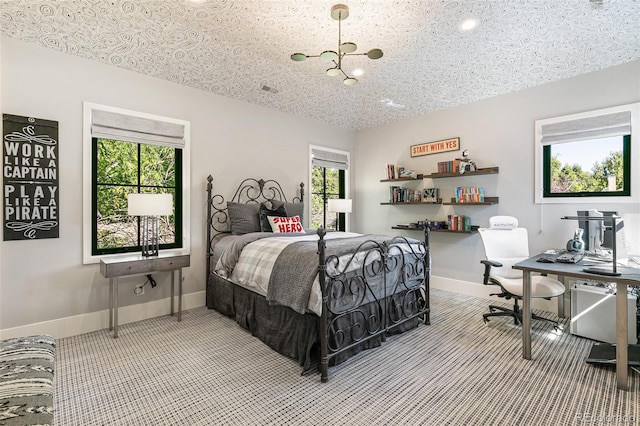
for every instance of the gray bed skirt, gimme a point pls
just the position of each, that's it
(281, 328)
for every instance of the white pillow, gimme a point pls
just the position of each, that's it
(503, 222)
(285, 224)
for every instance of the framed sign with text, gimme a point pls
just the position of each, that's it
(30, 178)
(444, 145)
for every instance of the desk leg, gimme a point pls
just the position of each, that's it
(115, 308)
(179, 294)
(110, 304)
(622, 348)
(172, 290)
(561, 313)
(526, 315)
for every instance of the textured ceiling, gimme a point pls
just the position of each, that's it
(235, 47)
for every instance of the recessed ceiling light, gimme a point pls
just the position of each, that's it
(468, 24)
(358, 72)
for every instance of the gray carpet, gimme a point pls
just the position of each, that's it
(206, 370)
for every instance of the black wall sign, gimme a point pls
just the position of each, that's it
(30, 178)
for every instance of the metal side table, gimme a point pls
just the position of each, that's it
(122, 266)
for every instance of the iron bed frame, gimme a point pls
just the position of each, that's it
(368, 313)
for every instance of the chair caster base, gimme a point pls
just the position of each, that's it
(498, 311)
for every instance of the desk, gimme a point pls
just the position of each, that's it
(121, 266)
(630, 276)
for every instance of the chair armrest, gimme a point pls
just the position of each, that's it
(487, 269)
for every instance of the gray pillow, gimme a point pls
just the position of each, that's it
(244, 218)
(265, 212)
(293, 209)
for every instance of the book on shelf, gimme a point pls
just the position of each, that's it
(469, 195)
(459, 222)
(404, 195)
(452, 166)
(392, 171)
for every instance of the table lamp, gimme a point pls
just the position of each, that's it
(149, 207)
(339, 205)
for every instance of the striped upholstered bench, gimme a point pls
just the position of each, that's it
(26, 380)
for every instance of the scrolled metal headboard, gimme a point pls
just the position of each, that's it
(249, 191)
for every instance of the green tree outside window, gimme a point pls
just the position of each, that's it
(608, 177)
(326, 183)
(121, 168)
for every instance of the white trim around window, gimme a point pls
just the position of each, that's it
(87, 122)
(634, 109)
(341, 160)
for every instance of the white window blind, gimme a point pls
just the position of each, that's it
(595, 127)
(113, 125)
(329, 159)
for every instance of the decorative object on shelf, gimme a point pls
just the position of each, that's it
(436, 224)
(150, 206)
(339, 205)
(406, 174)
(430, 195)
(436, 147)
(397, 172)
(30, 178)
(340, 12)
(465, 164)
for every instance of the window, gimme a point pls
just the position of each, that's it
(329, 170)
(120, 168)
(588, 168)
(588, 157)
(130, 152)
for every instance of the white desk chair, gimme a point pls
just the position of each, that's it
(505, 245)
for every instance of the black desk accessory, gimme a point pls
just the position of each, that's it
(605, 353)
(613, 220)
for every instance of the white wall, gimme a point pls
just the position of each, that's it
(497, 132)
(43, 285)
(45, 288)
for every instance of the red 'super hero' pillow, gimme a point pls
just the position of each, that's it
(285, 224)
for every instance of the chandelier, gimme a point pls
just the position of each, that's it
(339, 12)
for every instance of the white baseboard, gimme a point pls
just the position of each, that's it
(85, 323)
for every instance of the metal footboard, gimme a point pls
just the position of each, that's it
(378, 287)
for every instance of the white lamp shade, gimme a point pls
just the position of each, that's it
(339, 205)
(149, 204)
